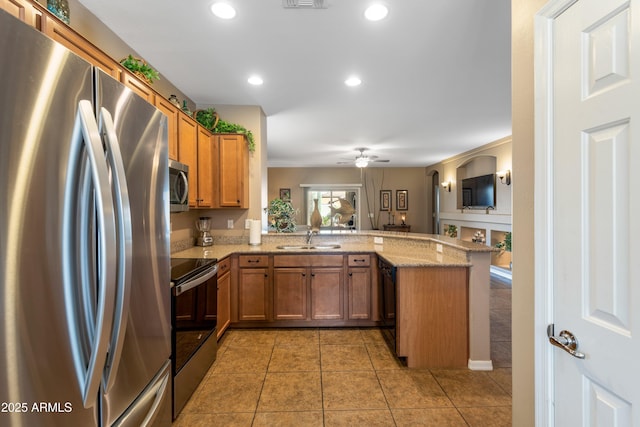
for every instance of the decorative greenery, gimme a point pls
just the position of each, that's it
(281, 216)
(207, 118)
(227, 127)
(141, 68)
(506, 243)
(452, 231)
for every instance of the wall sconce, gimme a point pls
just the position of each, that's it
(447, 186)
(505, 176)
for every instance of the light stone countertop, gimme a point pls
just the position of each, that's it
(397, 255)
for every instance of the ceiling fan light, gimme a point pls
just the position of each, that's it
(353, 81)
(362, 162)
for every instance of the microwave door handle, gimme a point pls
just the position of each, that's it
(124, 245)
(185, 181)
(88, 367)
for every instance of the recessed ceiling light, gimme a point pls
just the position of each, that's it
(223, 10)
(376, 12)
(353, 81)
(255, 80)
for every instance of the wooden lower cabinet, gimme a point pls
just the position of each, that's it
(254, 292)
(432, 317)
(290, 294)
(359, 293)
(224, 296)
(327, 293)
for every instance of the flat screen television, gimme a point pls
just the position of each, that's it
(479, 192)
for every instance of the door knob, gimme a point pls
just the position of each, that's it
(566, 341)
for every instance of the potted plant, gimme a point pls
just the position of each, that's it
(207, 118)
(452, 231)
(224, 126)
(505, 244)
(140, 68)
(281, 216)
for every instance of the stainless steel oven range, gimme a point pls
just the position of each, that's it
(194, 316)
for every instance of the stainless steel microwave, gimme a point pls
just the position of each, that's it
(178, 186)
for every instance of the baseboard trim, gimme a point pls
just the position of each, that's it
(480, 365)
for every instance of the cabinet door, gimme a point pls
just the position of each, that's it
(206, 168)
(253, 294)
(171, 111)
(60, 32)
(139, 87)
(359, 293)
(234, 164)
(327, 293)
(188, 153)
(224, 302)
(290, 293)
(23, 10)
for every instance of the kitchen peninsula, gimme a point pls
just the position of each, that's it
(441, 289)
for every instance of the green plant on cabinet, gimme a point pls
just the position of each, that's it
(452, 231)
(140, 68)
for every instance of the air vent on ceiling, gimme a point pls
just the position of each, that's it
(304, 4)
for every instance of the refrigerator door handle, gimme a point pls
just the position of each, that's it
(89, 335)
(151, 397)
(124, 245)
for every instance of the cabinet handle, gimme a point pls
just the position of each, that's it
(304, 274)
(266, 275)
(253, 260)
(350, 274)
(313, 274)
(359, 260)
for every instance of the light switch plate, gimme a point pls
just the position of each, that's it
(247, 224)
(229, 223)
(377, 240)
(438, 247)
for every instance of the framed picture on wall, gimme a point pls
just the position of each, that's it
(402, 200)
(385, 200)
(285, 194)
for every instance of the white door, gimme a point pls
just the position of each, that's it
(588, 211)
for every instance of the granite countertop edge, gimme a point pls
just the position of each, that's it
(423, 258)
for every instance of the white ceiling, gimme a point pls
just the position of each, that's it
(436, 74)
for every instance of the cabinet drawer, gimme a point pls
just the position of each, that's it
(253, 261)
(224, 266)
(359, 260)
(307, 260)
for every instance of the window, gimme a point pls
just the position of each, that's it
(338, 205)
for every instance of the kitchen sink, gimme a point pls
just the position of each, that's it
(300, 247)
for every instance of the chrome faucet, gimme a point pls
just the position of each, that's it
(310, 234)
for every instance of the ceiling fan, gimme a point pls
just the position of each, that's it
(362, 160)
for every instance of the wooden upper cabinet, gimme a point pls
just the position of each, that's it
(171, 111)
(206, 168)
(138, 86)
(188, 153)
(234, 170)
(60, 32)
(24, 11)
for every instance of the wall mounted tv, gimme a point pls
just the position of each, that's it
(479, 192)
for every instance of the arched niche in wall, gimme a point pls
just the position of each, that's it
(476, 166)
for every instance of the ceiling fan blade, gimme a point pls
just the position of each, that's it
(381, 161)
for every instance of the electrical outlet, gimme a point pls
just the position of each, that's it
(377, 240)
(229, 223)
(438, 247)
(247, 224)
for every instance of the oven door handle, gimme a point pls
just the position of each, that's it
(196, 281)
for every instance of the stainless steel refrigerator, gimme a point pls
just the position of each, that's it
(84, 243)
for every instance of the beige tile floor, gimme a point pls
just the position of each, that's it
(347, 377)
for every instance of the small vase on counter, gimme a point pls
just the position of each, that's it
(316, 218)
